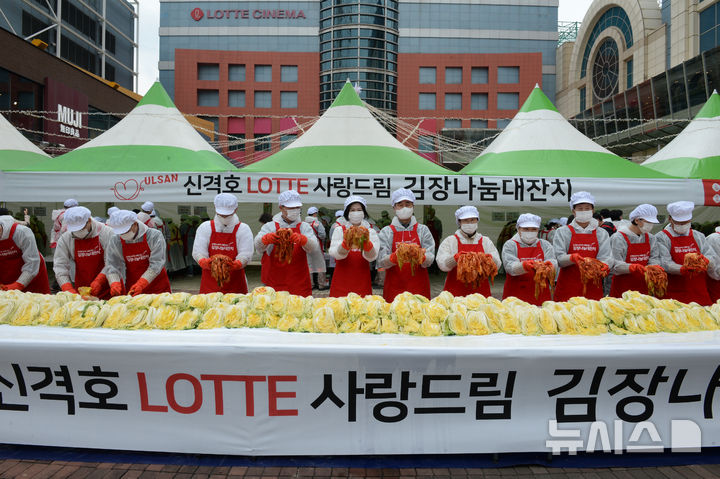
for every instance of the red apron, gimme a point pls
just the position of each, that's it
(225, 244)
(568, 283)
(637, 253)
(713, 287)
(523, 285)
(11, 263)
(137, 260)
(686, 288)
(399, 280)
(457, 287)
(317, 235)
(352, 275)
(293, 277)
(89, 262)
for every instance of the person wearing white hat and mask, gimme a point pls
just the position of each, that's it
(677, 240)
(521, 255)
(352, 268)
(712, 243)
(22, 267)
(338, 215)
(294, 276)
(404, 228)
(145, 215)
(580, 239)
(634, 248)
(224, 235)
(80, 254)
(466, 239)
(158, 223)
(57, 218)
(137, 254)
(316, 260)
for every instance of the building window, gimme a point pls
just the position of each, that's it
(109, 72)
(236, 98)
(288, 99)
(614, 17)
(605, 70)
(426, 144)
(289, 73)
(263, 142)
(237, 142)
(629, 73)
(208, 98)
(236, 72)
(427, 75)
(583, 99)
(478, 123)
(263, 73)
(263, 99)
(508, 101)
(479, 101)
(453, 101)
(426, 101)
(710, 27)
(503, 123)
(285, 140)
(454, 123)
(453, 75)
(110, 42)
(508, 75)
(479, 75)
(208, 71)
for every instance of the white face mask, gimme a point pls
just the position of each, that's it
(682, 229)
(293, 214)
(646, 227)
(81, 234)
(129, 235)
(468, 228)
(404, 213)
(225, 221)
(528, 236)
(356, 217)
(583, 216)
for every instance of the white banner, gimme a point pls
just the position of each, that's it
(334, 188)
(262, 392)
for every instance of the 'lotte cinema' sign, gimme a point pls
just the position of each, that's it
(198, 14)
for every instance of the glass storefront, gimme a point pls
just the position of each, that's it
(17, 93)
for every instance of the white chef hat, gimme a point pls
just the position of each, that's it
(148, 206)
(354, 199)
(681, 210)
(644, 212)
(465, 212)
(528, 220)
(338, 213)
(581, 197)
(225, 203)
(76, 218)
(70, 202)
(562, 221)
(312, 210)
(112, 210)
(121, 221)
(402, 194)
(289, 199)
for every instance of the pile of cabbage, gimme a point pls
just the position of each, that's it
(411, 314)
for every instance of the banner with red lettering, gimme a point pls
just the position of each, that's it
(266, 392)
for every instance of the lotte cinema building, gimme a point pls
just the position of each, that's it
(254, 67)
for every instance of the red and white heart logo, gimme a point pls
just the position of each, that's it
(127, 190)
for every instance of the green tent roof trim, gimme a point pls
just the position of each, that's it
(348, 160)
(18, 159)
(574, 164)
(705, 168)
(711, 109)
(156, 95)
(347, 96)
(537, 100)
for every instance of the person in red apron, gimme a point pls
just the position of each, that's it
(633, 248)
(352, 264)
(145, 215)
(224, 235)
(293, 277)
(404, 228)
(136, 253)
(80, 254)
(467, 238)
(58, 217)
(713, 253)
(520, 256)
(22, 267)
(581, 238)
(678, 239)
(316, 261)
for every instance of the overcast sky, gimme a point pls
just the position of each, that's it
(570, 10)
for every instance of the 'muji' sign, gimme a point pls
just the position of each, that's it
(68, 126)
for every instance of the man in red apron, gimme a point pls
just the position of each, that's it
(316, 261)
(136, 253)
(293, 277)
(404, 228)
(634, 248)
(678, 239)
(146, 214)
(22, 267)
(713, 253)
(224, 235)
(80, 254)
(520, 255)
(581, 238)
(58, 217)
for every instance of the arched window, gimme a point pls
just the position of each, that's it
(614, 17)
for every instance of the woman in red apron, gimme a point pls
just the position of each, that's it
(293, 277)
(713, 251)
(404, 228)
(580, 239)
(520, 255)
(633, 249)
(224, 235)
(14, 274)
(352, 267)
